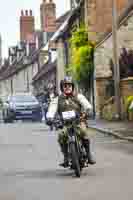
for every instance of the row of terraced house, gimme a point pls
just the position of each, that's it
(31, 54)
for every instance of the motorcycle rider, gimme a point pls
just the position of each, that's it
(70, 100)
(51, 93)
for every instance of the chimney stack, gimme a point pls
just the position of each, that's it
(48, 16)
(27, 24)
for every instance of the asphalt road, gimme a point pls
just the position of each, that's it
(29, 157)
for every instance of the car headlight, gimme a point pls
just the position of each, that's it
(12, 106)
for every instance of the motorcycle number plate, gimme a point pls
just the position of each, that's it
(69, 114)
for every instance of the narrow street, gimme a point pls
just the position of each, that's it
(29, 157)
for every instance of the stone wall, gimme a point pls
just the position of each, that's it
(100, 94)
(99, 14)
(126, 87)
(104, 53)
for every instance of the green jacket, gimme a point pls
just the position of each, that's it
(62, 103)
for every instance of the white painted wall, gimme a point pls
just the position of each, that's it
(22, 81)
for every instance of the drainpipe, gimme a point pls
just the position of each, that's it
(28, 88)
(93, 87)
(116, 60)
(60, 63)
(11, 86)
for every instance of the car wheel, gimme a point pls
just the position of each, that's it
(36, 120)
(5, 121)
(6, 118)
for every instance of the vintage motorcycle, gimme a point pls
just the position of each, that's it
(76, 151)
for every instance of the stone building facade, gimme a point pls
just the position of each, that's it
(98, 14)
(104, 53)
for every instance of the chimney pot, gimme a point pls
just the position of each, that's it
(30, 12)
(26, 12)
(22, 13)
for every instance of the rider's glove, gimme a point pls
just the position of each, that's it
(83, 116)
(49, 122)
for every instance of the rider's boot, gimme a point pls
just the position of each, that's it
(86, 143)
(64, 149)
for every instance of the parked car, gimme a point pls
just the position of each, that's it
(21, 106)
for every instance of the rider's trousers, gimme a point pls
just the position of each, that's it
(81, 129)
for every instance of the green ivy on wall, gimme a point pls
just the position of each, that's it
(81, 61)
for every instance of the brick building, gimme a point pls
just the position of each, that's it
(49, 24)
(27, 25)
(48, 18)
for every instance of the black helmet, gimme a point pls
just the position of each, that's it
(67, 79)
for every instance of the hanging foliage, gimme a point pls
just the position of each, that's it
(81, 65)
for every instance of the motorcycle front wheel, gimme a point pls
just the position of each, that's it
(51, 128)
(75, 160)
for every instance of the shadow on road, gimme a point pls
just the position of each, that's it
(46, 174)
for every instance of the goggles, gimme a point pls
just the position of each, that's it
(67, 85)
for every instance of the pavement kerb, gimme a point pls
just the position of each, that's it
(112, 133)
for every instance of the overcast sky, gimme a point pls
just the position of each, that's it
(9, 18)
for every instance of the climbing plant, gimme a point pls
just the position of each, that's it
(81, 61)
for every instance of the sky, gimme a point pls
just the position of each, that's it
(9, 18)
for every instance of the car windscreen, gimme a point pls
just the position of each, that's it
(23, 98)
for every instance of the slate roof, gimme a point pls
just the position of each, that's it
(44, 70)
(66, 25)
(62, 18)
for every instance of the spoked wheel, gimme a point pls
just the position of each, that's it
(75, 160)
